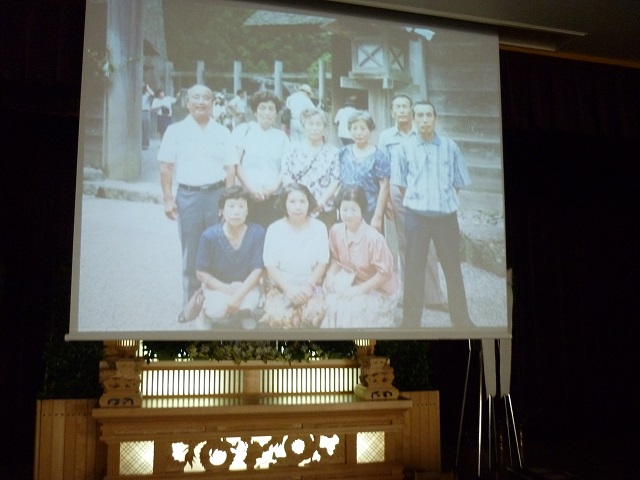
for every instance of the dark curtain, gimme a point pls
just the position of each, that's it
(569, 221)
(543, 94)
(569, 131)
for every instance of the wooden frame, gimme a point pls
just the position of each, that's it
(284, 420)
(66, 441)
(68, 444)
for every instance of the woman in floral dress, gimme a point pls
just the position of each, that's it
(314, 163)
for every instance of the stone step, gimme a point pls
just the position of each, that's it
(478, 77)
(482, 161)
(490, 203)
(92, 154)
(480, 153)
(91, 132)
(484, 126)
(485, 179)
(469, 102)
(446, 42)
(471, 140)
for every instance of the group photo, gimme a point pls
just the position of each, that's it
(350, 187)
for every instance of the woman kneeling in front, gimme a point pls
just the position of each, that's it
(361, 285)
(296, 254)
(229, 262)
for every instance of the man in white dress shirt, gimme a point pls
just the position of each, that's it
(198, 153)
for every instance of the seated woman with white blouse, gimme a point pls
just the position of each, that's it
(296, 254)
(362, 289)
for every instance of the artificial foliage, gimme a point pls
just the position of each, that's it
(71, 369)
(242, 351)
(411, 361)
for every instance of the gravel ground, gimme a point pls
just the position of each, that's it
(486, 298)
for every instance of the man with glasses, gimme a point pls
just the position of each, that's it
(199, 155)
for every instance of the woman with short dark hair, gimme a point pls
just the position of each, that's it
(229, 261)
(365, 165)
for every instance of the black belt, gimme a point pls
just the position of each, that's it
(202, 188)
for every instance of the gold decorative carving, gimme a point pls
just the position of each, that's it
(164, 450)
(209, 448)
(310, 442)
(274, 452)
(376, 379)
(120, 375)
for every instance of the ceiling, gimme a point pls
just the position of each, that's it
(606, 30)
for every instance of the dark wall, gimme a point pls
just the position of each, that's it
(570, 131)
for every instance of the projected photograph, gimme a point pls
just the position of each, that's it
(251, 171)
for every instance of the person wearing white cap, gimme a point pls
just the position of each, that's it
(297, 103)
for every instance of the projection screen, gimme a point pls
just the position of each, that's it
(314, 172)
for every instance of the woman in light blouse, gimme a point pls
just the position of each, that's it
(260, 148)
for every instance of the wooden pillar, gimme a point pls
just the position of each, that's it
(251, 382)
(340, 66)
(122, 153)
(321, 82)
(66, 441)
(237, 75)
(168, 79)
(418, 68)
(200, 72)
(378, 106)
(277, 79)
(120, 374)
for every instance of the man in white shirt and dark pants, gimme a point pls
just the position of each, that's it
(199, 155)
